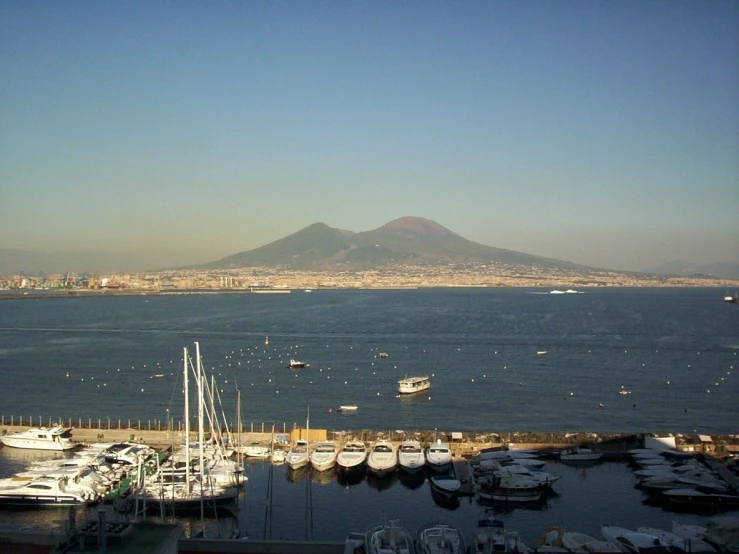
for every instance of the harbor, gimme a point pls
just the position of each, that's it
(272, 518)
(113, 374)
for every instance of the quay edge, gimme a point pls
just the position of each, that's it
(613, 445)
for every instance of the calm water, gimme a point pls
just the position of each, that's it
(100, 358)
(479, 345)
(305, 506)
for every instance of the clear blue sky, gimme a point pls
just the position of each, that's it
(605, 133)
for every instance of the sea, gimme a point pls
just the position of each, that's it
(500, 360)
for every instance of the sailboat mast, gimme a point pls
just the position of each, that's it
(200, 430)
(187, 417)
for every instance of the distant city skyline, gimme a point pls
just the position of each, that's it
(163, 135)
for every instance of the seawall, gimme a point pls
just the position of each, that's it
(613, 445)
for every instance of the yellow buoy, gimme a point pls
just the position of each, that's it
(266, 341)
(67, 374)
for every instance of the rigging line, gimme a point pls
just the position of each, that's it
(174, 390)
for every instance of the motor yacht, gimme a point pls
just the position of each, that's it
(323, 456)
(410, 456)
(439, 456)
(352, 457)
(382, 458)
(41, 438)
(298, 455)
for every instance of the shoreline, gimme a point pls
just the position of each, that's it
(36, 294)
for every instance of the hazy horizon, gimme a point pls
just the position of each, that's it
(599, 133)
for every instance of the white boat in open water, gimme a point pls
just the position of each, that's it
(411, 385)
(41, 438)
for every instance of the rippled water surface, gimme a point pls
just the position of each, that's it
(120, 358)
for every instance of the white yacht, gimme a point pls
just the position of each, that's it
(411, 385)
(382, 458)
(298, 455)
(46, 491)
(41, 438)
(254, 450)
(323, 456)
(410, 456)
(352, 456)
(439, 456)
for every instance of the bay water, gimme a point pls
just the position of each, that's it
(500, 360)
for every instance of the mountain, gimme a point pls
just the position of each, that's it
(413, 240)
(725, 270)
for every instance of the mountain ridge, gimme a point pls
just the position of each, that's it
(408, 239)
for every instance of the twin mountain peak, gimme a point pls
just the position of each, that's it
(407, 240)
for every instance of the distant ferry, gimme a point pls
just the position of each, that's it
(266, 289)
(732, 299)
(410, 385)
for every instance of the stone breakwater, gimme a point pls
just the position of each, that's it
(613, 445)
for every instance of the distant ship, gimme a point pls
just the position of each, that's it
(732, 299)
(267, 289)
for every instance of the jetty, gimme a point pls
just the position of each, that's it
(158, 434)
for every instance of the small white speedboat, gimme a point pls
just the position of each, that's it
(254, 450)
(352, 457)
(382, 458)
(411, 457)
(323, 456)
(439, 456)
(298, 455)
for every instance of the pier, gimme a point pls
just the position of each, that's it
(548, 445)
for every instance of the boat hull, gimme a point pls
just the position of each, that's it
(31, 501)
(413, 385)
(41, 438)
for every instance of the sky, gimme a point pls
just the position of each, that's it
(604, 133)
